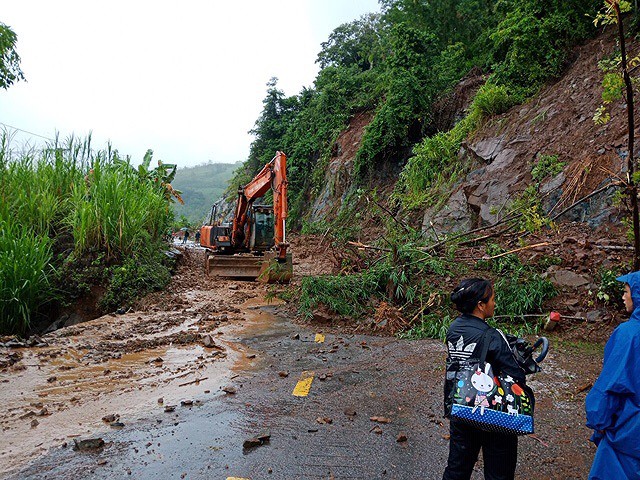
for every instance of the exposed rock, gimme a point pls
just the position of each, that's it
(88, 444)
(567, 278)
(380, 419)
(112, 417)
(208, 341)
(454, 217)
(595, 316)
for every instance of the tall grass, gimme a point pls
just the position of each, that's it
(61, 192)
(112, 210)
(24, 276)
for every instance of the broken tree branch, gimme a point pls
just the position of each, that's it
(382, 207)
(362, 246)
(543, 244)
(475, 230)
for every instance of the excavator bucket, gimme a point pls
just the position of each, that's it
(273, 271)
(263, 268)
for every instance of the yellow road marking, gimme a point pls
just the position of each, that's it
(237, 478)
(319, 338)
(304, 384)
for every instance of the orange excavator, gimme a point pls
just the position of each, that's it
(254, 244)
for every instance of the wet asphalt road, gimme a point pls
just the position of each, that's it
(368, 376)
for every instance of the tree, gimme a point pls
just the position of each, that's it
(9, 59)
(355, 43)
(616, 88)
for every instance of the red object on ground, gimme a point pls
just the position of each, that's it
(554, 316)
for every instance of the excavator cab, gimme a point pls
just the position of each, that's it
(262, 228)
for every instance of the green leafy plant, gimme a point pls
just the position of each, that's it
(433, 325)
(80, 207)
(136, 276)
(546, 166)
(609, 289)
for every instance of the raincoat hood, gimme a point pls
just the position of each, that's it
(633, 280)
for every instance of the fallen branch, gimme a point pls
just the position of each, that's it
(382, 207)
(362, 246)
(543, 244)
(475, 230)
(535, 437)
(614, 247)
(197, 380)
(485, 237)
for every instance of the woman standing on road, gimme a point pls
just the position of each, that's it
(613, 404)
(475, 300)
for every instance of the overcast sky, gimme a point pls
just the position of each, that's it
(185, 79)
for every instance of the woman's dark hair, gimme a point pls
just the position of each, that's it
(469, 292)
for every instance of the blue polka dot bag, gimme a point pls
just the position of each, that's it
(486, 401)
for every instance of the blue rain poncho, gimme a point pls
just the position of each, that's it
(613, 404)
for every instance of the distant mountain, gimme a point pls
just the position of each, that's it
(201, 186)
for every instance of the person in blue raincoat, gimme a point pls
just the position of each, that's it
(613, 404)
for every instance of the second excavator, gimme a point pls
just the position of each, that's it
(254, 244)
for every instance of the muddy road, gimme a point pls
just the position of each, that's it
(200, 372)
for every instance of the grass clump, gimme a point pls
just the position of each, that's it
(433, 325)
(346, 295)
(136, 276)
(546, 166)
(520, 290)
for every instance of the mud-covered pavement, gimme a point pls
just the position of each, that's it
(364, 406)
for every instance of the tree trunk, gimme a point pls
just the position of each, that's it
(632, 186)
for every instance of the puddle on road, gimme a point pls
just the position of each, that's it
(130, 386)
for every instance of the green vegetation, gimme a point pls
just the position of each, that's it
(520, 289)
(143, 273)
(201, 186)
(10, 71)
(546, 166)
(435, 167)
(394, 65)
(346, 295)
(25, 272)
(609, 289)
(65, 206)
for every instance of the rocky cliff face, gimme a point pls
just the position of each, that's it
(338, 177)
(557, 121)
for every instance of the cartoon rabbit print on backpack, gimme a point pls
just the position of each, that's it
(483, 383)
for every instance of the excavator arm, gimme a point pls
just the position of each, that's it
(273, 177)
